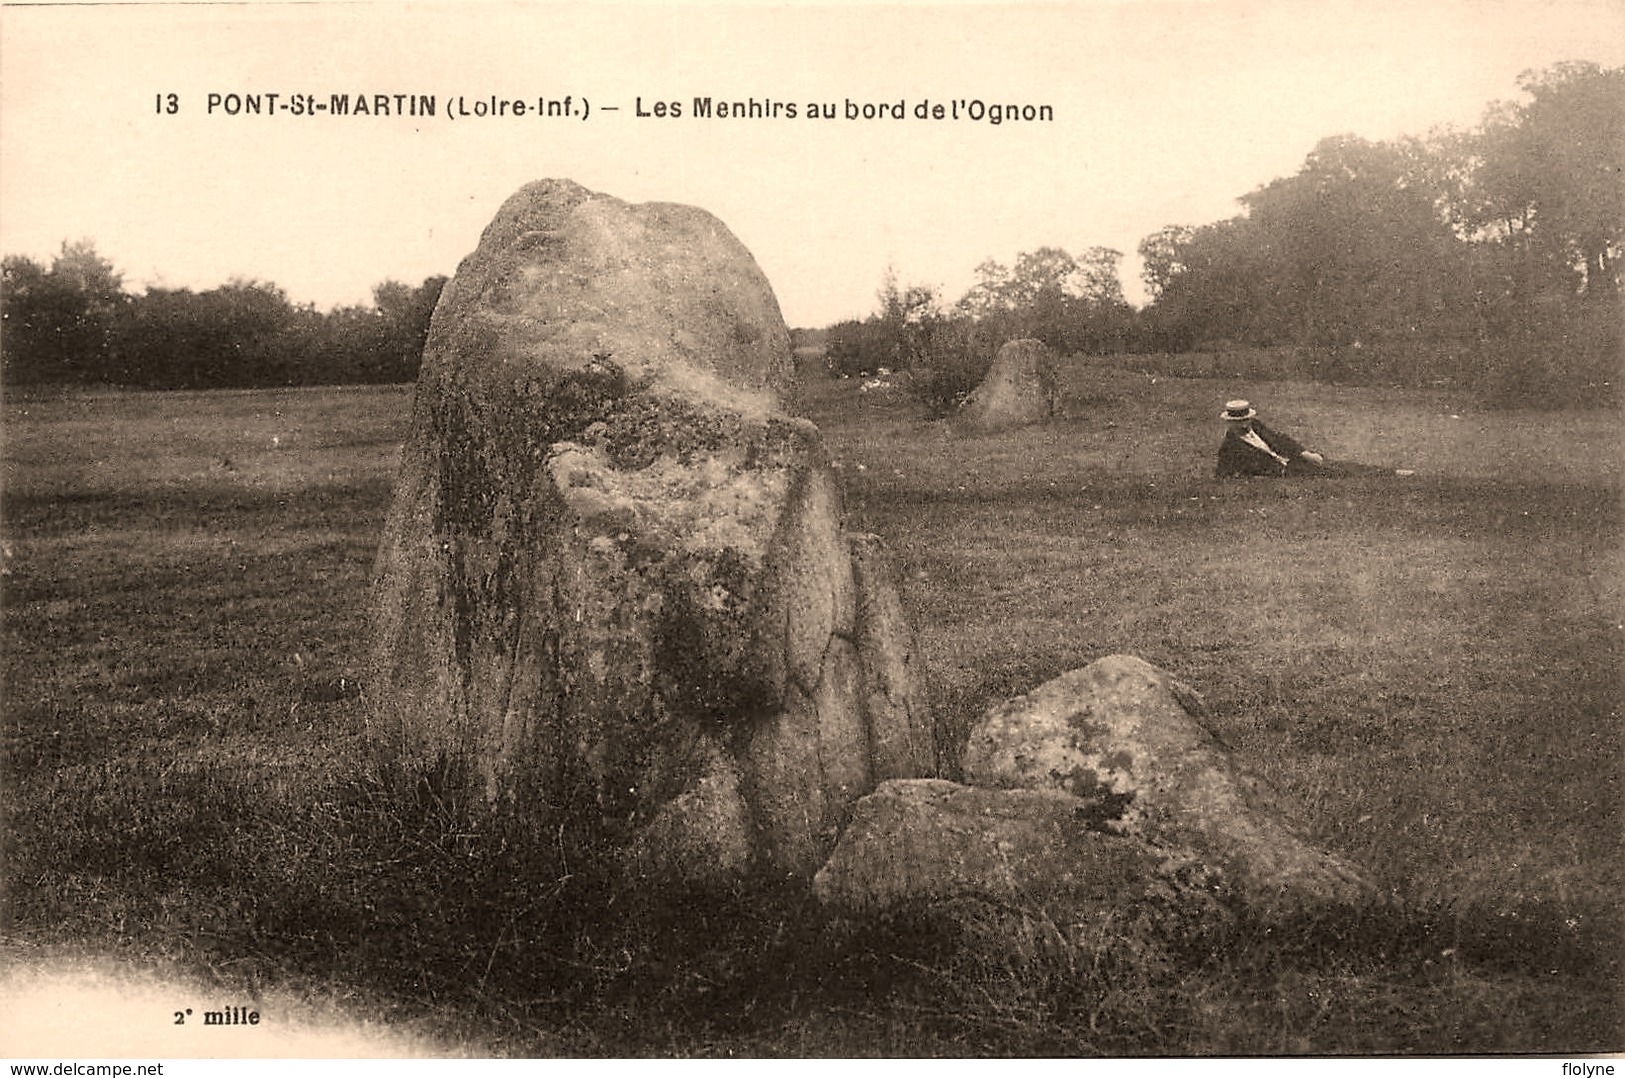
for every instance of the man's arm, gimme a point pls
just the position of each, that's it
(1285, 444)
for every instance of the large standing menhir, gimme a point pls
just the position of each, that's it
(614, 593)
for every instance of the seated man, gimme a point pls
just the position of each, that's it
(1251, 448)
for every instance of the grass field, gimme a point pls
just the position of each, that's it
(1427, 668)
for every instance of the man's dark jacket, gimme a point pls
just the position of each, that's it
(1236, 457)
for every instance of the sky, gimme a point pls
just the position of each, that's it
(1163, 112)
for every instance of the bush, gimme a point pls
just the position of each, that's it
(1554, 363)
(857, 348)
(955, 365)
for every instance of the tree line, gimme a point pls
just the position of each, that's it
(72, 322)
(1488, 257)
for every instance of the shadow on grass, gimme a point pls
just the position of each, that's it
(316, 506)
(268, 870)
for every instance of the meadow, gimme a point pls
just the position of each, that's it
(1427, 668)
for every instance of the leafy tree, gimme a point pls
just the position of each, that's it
(1217, 286)
(246, 333)
(32, 314)
(1098, 279)
(1491, 256)
(1161, 256)
(58, 322)
(234, 335)
(1099, 317)
(1550, 178)
(990, 293)
(1358, 247)
(898, 336)
(88, 273)
(1071, 303)
(403, 314)
(1042, 276)
(73, 323)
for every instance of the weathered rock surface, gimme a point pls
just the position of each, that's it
(1100, 789)
(614, 595)
(1126, 739)
(1022, 387)
(930, 841)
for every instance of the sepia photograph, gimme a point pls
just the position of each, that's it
(690, 531)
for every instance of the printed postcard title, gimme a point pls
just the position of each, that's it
(462, 107)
